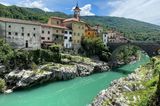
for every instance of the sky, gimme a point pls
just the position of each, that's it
(143, 10)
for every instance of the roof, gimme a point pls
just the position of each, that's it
(73, 20)
(54, 26)
(77, 7)
(19, 21)
(58, 18)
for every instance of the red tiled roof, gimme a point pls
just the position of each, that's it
(58, 18)
(54, 26)
(73, 19)
(19, 21)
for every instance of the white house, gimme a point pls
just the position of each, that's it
(20, 33)
(68, 38)
(105, 38)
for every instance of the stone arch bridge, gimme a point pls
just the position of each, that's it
(151, 48)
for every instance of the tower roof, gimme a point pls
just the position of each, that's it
(77, 7)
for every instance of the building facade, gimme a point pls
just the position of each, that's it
(105, 38)
(68, 39)
(113, 37)
(20, 34)
(90, 32)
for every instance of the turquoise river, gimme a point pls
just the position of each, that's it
(76, 92)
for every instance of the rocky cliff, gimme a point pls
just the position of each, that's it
(53, 72)
(134, 90)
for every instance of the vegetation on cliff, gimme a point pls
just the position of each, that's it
(2, 85)
(23, 59)
(140, 88)
(126, 54)
(95, 47)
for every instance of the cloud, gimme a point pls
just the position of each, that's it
(34, 4)
(144, 10)
(86, 10)
(6, 4)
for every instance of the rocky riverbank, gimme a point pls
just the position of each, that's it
(128, 91)
(67, 70)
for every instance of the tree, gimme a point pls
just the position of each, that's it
(95, 47)
(2, 85)
(6, 53)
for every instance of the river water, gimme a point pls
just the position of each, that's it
(76, 92)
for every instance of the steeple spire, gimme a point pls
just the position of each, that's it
(77, 4)
(77, 11)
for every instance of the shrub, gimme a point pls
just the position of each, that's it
(41, 56)
(2, 85)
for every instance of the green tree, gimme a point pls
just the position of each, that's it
(2, 85)
(95, 47)
(6, 53)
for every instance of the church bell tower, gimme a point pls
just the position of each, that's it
(77, 12)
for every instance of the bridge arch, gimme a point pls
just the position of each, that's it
(150, 48)
(126, 53)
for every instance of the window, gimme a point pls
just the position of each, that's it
(9, 26)
(43, 38)
(66, 32)
(70, 39)
(57, 22)
(22, 34)
(57, 36)
(88, 33)
(34, 28)
(70, 32)
(74, 33)
(65, 37)
(82, 27)
(56, 31)
(48, 38)
(78, 34)
(42, 31)
(77, 41)
(9, 33)
(16, 33)
(28, 34)
(34, 35)
(48, 32)
(22, 28)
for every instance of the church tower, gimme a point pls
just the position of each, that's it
(77, 12)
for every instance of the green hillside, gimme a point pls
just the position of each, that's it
(132, 29)
(27, 13)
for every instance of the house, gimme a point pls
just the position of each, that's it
(113, 37)
(20, 33)
(98, 28)
(90, 32)
(105, 38)
(68, 38)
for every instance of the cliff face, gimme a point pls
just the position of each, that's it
(138, 89)
(53, 72)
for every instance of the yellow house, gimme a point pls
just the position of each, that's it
(78, 29)
(90, 32)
